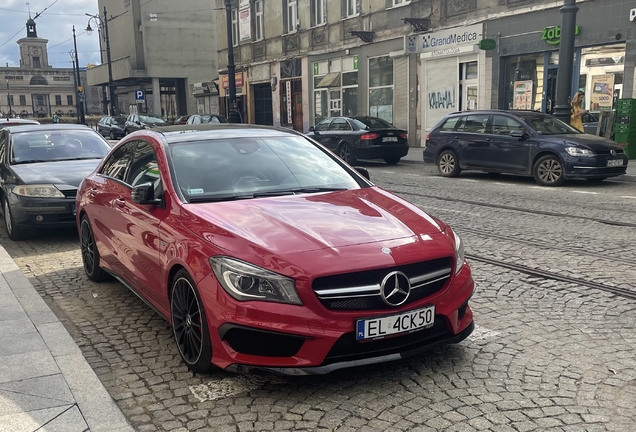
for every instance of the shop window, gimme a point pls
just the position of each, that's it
(318, 12)
(350, 101)
(235, 29)
(381, 88)
(524, 82)
(258, 20)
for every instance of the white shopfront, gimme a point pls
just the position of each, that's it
(452, 72)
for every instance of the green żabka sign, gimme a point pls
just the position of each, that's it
(552, 35)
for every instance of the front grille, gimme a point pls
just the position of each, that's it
(261, 343)
(361, 290)
(347, 348)
(69, 193)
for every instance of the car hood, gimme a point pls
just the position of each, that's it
(592, 142)
(59, 172)
(293, 224)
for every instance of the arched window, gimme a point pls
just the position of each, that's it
(38, 80)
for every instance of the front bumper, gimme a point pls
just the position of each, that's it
(381, 152)
(42, 212)
(594, 167)
(309, 339)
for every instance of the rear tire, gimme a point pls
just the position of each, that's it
(346, 154)
(392, 161)
(448, 164)
(548, 171)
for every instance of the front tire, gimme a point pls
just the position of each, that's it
(548, 171)
(346, 154)
(189, 324)
(112, 135)
(13, 232)
(392, 161)
(90, 254)
(448, 164)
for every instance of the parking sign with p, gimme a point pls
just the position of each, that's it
(140, 95)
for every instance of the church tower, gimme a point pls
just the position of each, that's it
(33, 51)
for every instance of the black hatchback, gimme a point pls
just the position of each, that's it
(521, 142)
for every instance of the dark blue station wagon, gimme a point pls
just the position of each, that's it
(521, 142)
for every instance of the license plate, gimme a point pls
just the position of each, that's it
(407, 322)
(74, 210)
(615, 162)
(389, 139)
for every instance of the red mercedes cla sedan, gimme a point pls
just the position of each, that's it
(265, 250)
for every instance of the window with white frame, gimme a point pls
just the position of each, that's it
(350, 8)
(258, 20)
(235, 28)
(291, 15)
(400, 2)
(318, 12)
(381, 88)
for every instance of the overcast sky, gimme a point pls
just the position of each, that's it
(55, 24)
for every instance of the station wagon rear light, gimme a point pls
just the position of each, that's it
(404, 135)
(369, 136)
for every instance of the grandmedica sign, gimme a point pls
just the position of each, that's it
(444, 41)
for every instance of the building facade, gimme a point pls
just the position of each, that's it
(36, 89)
(163, 56)
(409, 62)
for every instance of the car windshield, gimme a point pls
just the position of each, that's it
(148, 119)
(46, 146)
(372, 123)
(119, 120)
(547, 125)
(210, 119)
(237, 168)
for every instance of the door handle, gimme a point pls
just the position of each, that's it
(120, 202)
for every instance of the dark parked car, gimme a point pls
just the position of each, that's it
(41, 169)
(264, 250)
(354, 138)
(206, 118)
(136, 122)
(521, 142)
(112, 127)
(182, 120)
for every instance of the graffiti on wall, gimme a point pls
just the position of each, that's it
(441, 99)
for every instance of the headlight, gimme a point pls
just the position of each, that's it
(245, 282)
(459, 253)
(38, 190)
(577, 151)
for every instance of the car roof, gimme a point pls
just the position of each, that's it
(20, 121)
(47, 127)
(208, 131)
(496, 111)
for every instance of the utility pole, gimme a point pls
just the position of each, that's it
(111, 89)
(79, 88)
(8, 98)
(562, 109)
(233, 116)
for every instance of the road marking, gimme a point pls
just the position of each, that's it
(628, 197)
(470, 180)
(543, 188)
(585, 192)
(388, 172)
(504, 184)
(232, 386)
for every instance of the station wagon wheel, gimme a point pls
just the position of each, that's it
(189, 324)
(112, 135)
(346, 154)
(548, 171)
(13, 232)
(90, 254)
(448, 164)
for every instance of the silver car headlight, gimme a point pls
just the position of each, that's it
(459, 253)
(38, 191)
(244, 282)
(581, 152)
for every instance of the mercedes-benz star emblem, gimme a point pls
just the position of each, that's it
(395, 288)
(613, 152)
(386, 250)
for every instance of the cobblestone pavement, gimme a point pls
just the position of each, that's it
(546, 355)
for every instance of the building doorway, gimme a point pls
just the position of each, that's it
(263, 113)
(550, 88)
(291, 106)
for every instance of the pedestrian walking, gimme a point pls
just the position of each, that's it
(577, 112)
(56, 119)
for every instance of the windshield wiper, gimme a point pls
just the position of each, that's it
(29, 161)
(219, 198)
(78, 158)
(293, 191)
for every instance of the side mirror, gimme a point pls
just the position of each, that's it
(363, 172)
(144, 194)
(312, 129)
(518, 134)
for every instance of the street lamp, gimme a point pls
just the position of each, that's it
(79, 91)
(8, 97)
(233, 116)
(99, 21)
(562, 109)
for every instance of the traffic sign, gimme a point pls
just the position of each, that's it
(80, 89)
(81, 96)
(140, 95)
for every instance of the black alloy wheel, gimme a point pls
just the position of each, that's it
(548, 171)
(189, 324)
(112, 135)
(346, 154)
(13, 232)
(392, 161)
(447, 164)
(90, 254)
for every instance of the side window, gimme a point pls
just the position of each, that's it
(502, 125)
(3, 145)
(339, 124)
(449, 125)
(474, 123)
(323, 125)
(118, 162)
(144, 167)
(197, 120)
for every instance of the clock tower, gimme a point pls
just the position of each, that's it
(33, 52)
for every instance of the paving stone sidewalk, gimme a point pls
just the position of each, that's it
(46, 383)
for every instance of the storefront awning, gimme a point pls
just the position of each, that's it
(330, 80)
